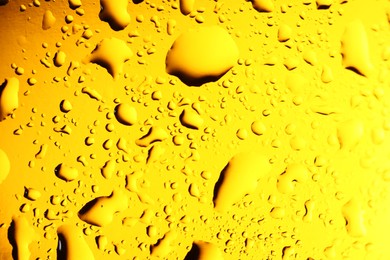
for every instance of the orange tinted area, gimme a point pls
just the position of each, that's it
(192, 129)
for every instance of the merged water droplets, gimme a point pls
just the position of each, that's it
(9, 97)
(238, 178)
(72, 244)
(202, 55)
(22, 235)
(111, 53)
(100, 211)
(115, 13)
(355, 49)
(5, 166)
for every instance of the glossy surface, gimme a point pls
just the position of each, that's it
(188, 129)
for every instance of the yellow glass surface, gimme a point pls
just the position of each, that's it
(194, 129)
